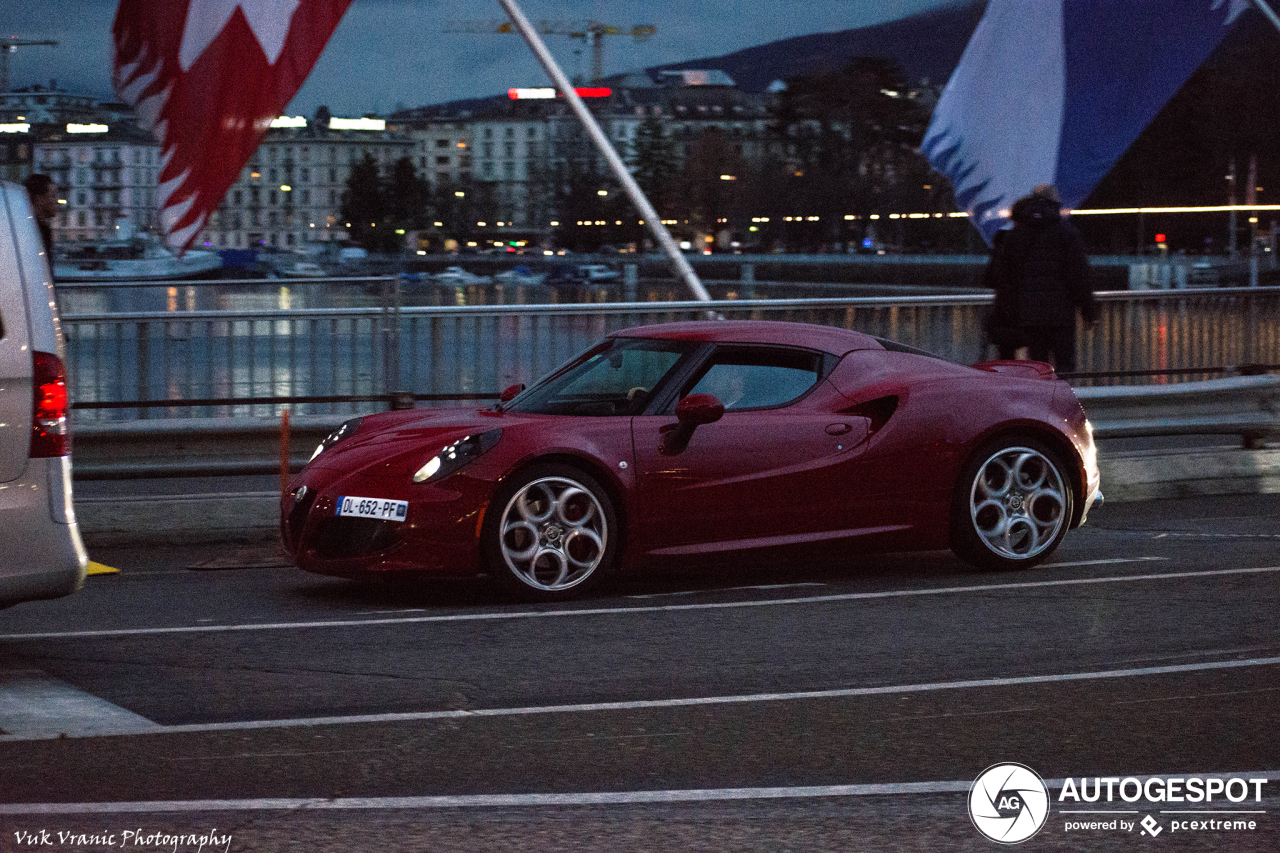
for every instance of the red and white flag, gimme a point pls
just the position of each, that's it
(207, 77)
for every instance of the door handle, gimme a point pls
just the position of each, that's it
(838, 429)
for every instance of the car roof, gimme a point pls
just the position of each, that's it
(825, 338)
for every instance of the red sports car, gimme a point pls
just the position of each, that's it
(704, 438)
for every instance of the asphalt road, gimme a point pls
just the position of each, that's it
(211, 691)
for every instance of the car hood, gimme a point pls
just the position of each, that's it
(399, 443)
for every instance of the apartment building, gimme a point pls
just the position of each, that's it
(289, 194)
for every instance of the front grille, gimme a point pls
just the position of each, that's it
(342, 538)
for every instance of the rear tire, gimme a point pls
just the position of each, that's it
(551, 533)
(1012, 504)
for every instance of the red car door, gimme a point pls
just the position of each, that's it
(772, 473)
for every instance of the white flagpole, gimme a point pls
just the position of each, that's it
(1266, 9)
(620, 171)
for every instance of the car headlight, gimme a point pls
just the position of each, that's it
(455, 455)
(344, 431)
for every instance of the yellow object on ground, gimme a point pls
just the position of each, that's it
(99, 569)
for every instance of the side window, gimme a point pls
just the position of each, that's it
(757, 377)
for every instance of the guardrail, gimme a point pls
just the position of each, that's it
(1247, 406)
(332, 361)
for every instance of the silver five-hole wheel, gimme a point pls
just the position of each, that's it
(1018, 503)
(554, 533)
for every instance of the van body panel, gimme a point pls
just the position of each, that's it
(15, 348)
(41, 553)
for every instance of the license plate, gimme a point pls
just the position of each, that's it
(380, 508)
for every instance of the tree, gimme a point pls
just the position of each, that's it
(363, 203)
(849, 138)
(376, 207)
(711, 199)
(407, 195)
(653, 163)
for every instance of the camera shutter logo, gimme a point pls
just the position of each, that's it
(1008, 803)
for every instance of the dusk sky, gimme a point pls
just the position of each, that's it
(388, 54)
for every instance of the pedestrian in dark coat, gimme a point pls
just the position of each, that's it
(1040, 273)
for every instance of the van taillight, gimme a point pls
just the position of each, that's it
(49, 412)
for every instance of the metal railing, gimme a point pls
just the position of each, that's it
(190, 360)
(1247, 406)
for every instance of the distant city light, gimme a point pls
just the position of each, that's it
(728, 177)
(285, 188)
(1220, 208)
(357, 124)
(289, 121)
(19, 127)
(87, 128)
(546, 92)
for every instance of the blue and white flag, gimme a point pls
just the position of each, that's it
(1055, 91)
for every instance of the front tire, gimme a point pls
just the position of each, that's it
(552, 534)
(1012, 504)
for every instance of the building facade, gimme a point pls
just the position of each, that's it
(289, 195)
(496, 167)
(107, 176)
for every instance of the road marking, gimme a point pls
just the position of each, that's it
(592, 798)
(99, 569)
(613, 611)
(724, 589)
(35, 706)
(1108, 562)
(646, 704)
(649, 704)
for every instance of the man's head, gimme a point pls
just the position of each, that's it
(1048, 192)
(44, 196)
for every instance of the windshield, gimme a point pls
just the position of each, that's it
(615, 377)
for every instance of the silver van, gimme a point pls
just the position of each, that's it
(41, 555)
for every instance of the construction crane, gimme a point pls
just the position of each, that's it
(9, 46)
(592, 31)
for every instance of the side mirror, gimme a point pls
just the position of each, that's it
(691, 412)
(698, 409)
(511, 392)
